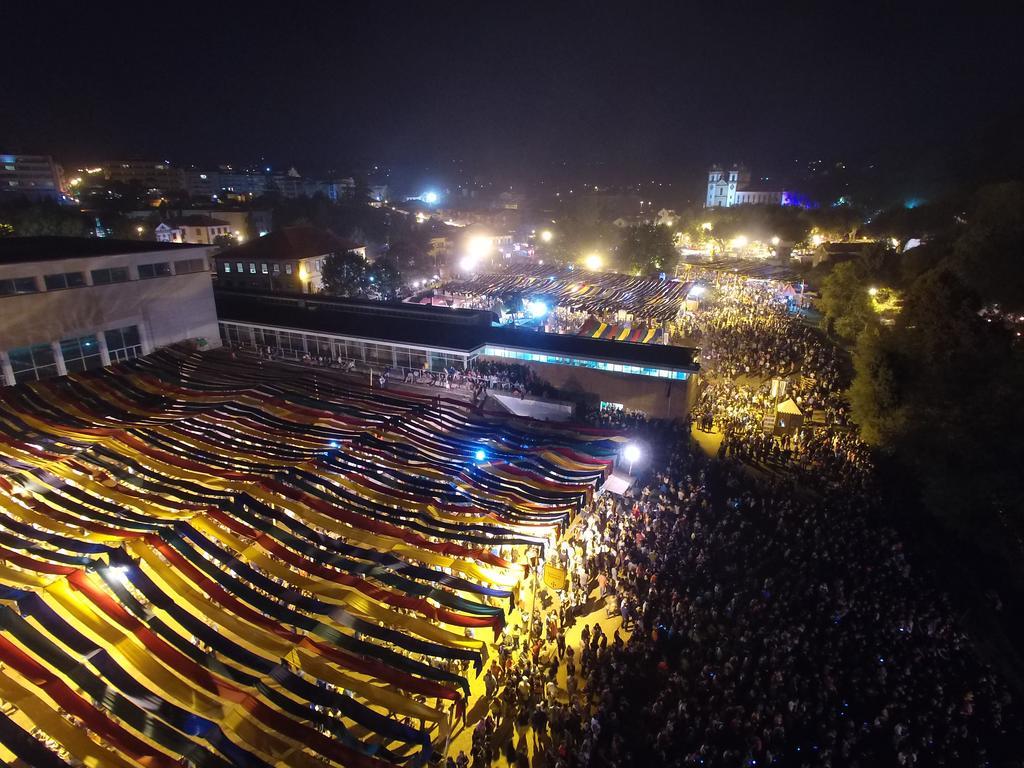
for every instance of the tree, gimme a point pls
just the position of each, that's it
(385, 280)
(989, 253)
(346, 274)
(845, 301)
(646, 249)
(875, 395)
(35, 219)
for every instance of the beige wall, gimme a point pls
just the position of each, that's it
(167, 309)
(658, 398)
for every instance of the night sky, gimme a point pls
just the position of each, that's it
(620, 90)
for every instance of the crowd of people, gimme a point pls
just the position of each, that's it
(759, 619)
(758, 627)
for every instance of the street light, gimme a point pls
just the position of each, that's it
(740, 241)
(593, 262)
(631, 453)
(872, 291)
(546, 235)
(775, 240)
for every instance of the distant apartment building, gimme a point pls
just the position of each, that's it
(33, 176)
(72, 304)
(225, 180)
(727, 188)
(289, 260)
(149, 175)
(196, 229)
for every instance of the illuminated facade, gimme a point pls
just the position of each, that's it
(727, 188)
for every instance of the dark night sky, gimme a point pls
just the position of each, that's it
(509, 87)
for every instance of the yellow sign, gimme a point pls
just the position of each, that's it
(554, 577)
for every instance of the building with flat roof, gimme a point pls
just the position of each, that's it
(36, 177)
(288, 260)
(70, 304)
(653, 378)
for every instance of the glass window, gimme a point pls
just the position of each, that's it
(111, 275)
(287, 269)
(64, 280)
(239, 267)
(227, 267)
(186, 266)
(81, 354)
(277, 269)
(18, 285)
(264, 268)
(123, 343)
(159, 269)
(33, 363)
(252, 268)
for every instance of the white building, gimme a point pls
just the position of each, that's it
(33, 176)
(727, 188)
(196, 229)
(71, 304)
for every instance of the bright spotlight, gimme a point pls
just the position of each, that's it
(817, 240)
(546, 235)
(480, 454)
(775, 240)
(536, 308)
(118, 573)
(429, 197)
(479, 246)
(740, 241)
(696, 291)
(468, 263)
(873, 291)
(593, 262)
(333, 443)
(631, 453)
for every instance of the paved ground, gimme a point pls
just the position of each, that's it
(462, 735)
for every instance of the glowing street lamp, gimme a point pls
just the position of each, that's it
(872, 291)
(706, 226)
(631, 453)
(547, 235)
(429, 197)
(593, 262)
(740, 241)
(479, 246)
(775, 240)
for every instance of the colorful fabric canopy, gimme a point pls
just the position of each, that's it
(208, 559)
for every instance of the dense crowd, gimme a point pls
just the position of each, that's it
(758, 628)
(760, 619)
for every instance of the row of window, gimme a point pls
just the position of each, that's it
(294, 345)
(81, 353)
(264, 268)
(104, 276)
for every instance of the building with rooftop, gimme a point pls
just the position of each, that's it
(653, 378)
(36, 177)
(288, 260)
(727, 188)
(70, 304)
(195, 229)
